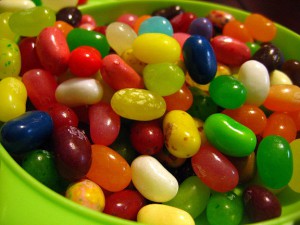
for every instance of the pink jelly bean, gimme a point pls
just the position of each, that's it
(128, 18)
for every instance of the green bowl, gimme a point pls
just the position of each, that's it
(25, 201)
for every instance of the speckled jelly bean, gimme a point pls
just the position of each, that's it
(57, 5)
(227, 92)
(294, 182)
(271, 150)
(158, 214)
(13, 97)
(10, 58)
(229, 136)
(133, 62)
(237, 30)
(182, 138)
(201, 26)
(109, 169)
(163, 78)
(255, 77)
(199, 58)
(156, 48)
(219, 18)
(86, 193)
(279, 77)
(168, 12)
(23, 22)
(152, 180)
(192, 196)
(292, 69)
(79, 91)
(138, 104)
(15, 5)
(26, 132)
(230, 51)
(5, 30)
(71, 15)
(156, 24)
(120, 36)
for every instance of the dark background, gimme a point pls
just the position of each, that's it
(284, 12)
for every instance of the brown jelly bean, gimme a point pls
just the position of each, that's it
(70, 15)
(292, 69)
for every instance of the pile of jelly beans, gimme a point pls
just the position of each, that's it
(164, 118)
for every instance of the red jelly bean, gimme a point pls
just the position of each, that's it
(182, 21)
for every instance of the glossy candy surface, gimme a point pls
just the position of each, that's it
(156, 24)
(201, 26)
(5, 31)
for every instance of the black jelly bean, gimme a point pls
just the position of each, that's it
(70, 15)
(292, 69)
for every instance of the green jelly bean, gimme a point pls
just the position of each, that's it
(229, 136)
(24, 22)
(79, 37)
(253, 47)
(228, 92)
(163, 78)
(10, 58)
(5, 31)
(274, 161)
(225, 209)
(192, 196)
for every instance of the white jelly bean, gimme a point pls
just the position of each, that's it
(152, 180)
(14, 5)
(57, 5)
(79, 91)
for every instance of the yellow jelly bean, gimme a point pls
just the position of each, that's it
(279, 77)
(182, 137)
(158, 214)
(294, 183)
(5, 31)
(156, 48)
(13, 97)
(132, 61)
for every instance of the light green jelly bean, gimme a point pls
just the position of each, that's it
(229, 136)
(5, 31)
(10, 58)
(138, 104)
(192, 196)
(24, 22)
(163, 78)
(274, 161)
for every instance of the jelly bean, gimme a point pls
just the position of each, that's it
(86, 193)
(225, 46)
(132, 61)
(23, 22)
(222, 207)
(71, 15)
(26, 132)
(10, 61)
(219, 18)
(79, 37)
(118, 74)
(120, 36)
(104, 124)
(181, 38)
(41, 86)
(158, 214)
(109, 169)
(192, 196)
(180, 100)
(128, 18)
(253, 47)
(182, 21)
(52, 50)
(283, 97)
(292, 69)
(278, 77)
(199, 59)
(250, 116)
(229, 136)
(138, 104)
(237, 30)
(85, 61)
(72, 152)
(41, 165)
(15, 5)
(5, 31)
(168, 160)
(64, 27)
(124, 204)
(156, 24)
(152, 180)
(139, 21)
(260, 204)
(147, 137)
(270, 56)
(295, 115)
(168, 12)
(255, 77)
(87, 19)
(182, 138)
(261, 28)
(156, 48)
(201, 26)
(294, 182)
(57, 5)
(281, 124)
(79, 91)
(163, 78)
(274, 161)
(227, 92)
(13, 97)
(214, 169)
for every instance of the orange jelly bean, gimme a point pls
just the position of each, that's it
(237, 30)
(64, 27)
(283, 98)
(109, 169)
(296, 117)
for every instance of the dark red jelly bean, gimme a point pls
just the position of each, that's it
(70, 15)
(169, 12)
(292, 69)
(182, 21)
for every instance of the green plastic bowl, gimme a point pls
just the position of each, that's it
(25, 201)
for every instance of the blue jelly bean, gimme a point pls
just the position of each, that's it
(201, 26)
(26, 132)
(199, 59)
(156, 24)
